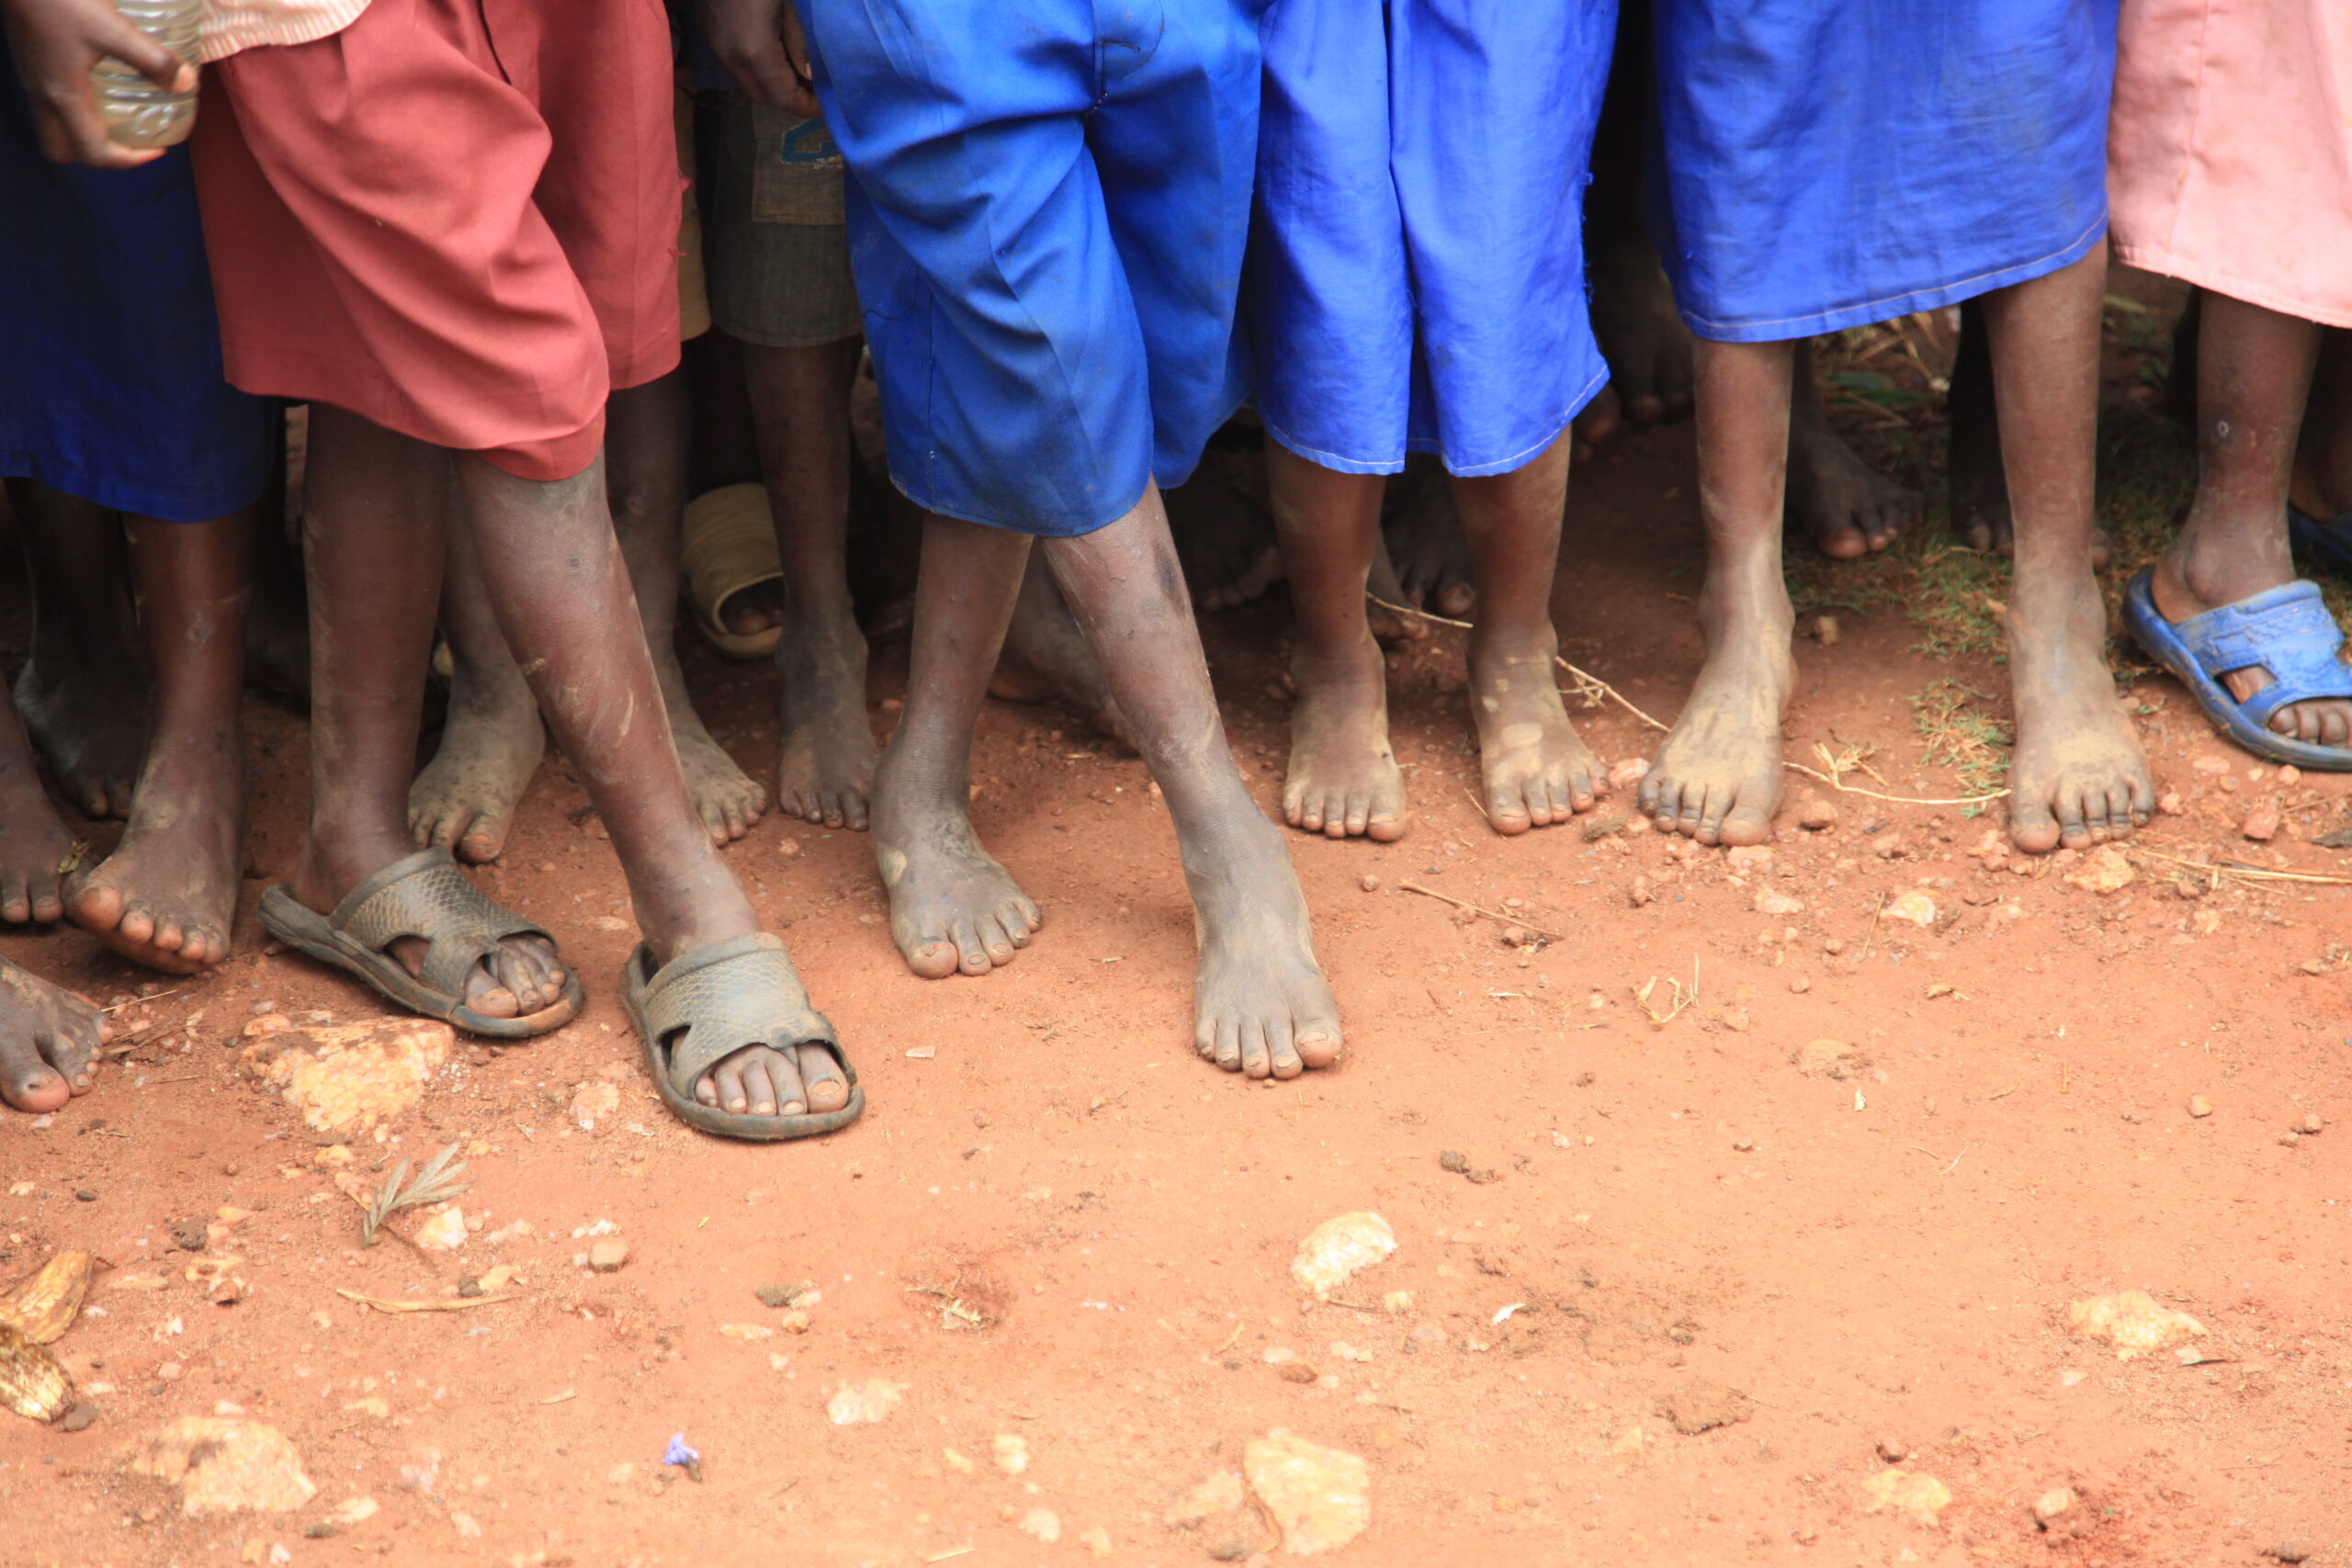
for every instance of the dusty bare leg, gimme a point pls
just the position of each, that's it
(800, 409)
(952, 907)
(375, 522)
(1975, 472)
(82, 693)
(167, 895)
(2077, 773)
(492, 739)
(1538, 770)
(645, 453)
(2254, 373)
(556, 579)
(1343, 778)
(1717, 777)
(1259, 999)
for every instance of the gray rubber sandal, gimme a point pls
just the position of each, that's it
(423, 895)
(703, 1006)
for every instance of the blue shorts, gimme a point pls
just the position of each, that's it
(1047, 207)
(110, 381)
(1417, 254)
(1837, 163)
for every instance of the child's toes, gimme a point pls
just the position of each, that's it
(823, 1087)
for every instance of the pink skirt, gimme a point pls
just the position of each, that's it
(2230, 153)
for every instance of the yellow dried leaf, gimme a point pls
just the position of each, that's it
(32, 1382)
(41, 1305)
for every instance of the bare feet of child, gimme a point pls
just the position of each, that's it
(1426, 544)
(2078, 775)
(1718, 776)
(1634, 319)
(952, 907)
(168, 893)
(1260, 1004)
(826, 771)
(1536, 768)
(492, 741)
(33, 843)
(1344, 782)
(1046, 657)
(48, 1042)
(82, 693)
(1846, 507)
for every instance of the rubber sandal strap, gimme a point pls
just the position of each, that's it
(704, 1006)
(727, 544)
(425, 895)
(2286, 632)
(2329, 542)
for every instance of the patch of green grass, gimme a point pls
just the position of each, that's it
(1961, 737)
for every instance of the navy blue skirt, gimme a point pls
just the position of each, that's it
(110, 380)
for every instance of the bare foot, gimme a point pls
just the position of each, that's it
(1635, 320)
(1426, 543)
(521, 977)
(1846, 507)
(168, 893)
(729, 800)
(1044, 658)
(1225, 541)
(490, 745)
(1717, 778)
(48, 1042)
(1261, 1003)
(90, 720)
(1343, 780)
(952, 906)
(1537, 769)
(826, 774)
(34, 844)
(2078, 775)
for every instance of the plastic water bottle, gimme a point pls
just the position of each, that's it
(137, 112)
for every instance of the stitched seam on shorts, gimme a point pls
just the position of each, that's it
(1804, 325)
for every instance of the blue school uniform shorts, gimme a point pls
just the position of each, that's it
(1835, 162)
(1047, 205)
(1416, 256)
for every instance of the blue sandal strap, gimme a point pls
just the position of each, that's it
(2329, 542)
(2286, 632)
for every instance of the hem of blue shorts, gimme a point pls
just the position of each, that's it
(66, 479)
(1036, 528)
(1059, 528)
(1429, 444)
(1838, 318)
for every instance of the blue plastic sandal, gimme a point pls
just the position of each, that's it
(2286, 631)
(2330, 543)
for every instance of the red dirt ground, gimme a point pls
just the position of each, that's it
(1883, 1261)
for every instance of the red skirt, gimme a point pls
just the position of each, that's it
(456, 217)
